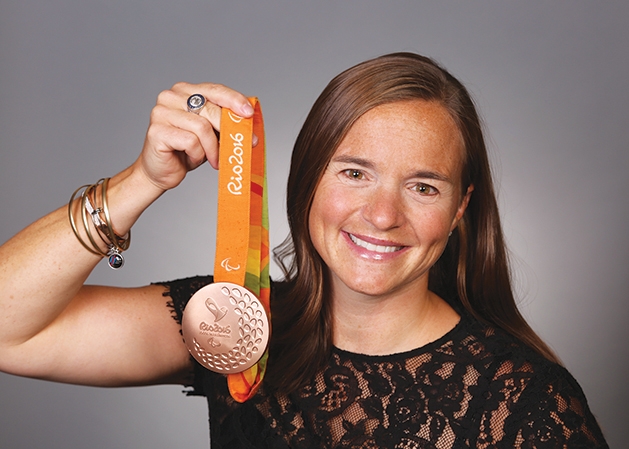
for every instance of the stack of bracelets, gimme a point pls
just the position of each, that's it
(99, 214)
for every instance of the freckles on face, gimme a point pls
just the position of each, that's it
(390, 195)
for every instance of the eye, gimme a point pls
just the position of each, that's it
(354, 174)
(425, 189)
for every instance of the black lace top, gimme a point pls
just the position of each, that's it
(474, 387)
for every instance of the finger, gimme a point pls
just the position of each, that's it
(217, 96)
(191, 123)
(169, 141)
(213, 114)
(226, 97)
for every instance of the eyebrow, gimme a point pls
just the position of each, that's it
(427, 174)
(353, 160)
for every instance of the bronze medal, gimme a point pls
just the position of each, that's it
(225, 327)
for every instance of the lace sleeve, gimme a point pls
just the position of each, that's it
(180, 291)
(552, 412)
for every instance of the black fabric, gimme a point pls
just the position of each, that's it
(474, 387)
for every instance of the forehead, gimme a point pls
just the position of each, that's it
(415, 131)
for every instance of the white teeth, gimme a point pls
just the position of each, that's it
(371, 247)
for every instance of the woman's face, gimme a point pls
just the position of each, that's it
(388, 199)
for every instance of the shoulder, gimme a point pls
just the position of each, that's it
(506, 361)
(181, 290)
(186, 286)
(534, 399)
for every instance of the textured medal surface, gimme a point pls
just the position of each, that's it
(225, 327)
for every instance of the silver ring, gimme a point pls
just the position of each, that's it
(195, 103)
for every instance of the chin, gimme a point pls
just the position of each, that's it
(369, 287)
(374, 283)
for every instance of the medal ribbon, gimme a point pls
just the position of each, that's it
(242, 239)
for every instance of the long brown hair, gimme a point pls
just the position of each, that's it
(474, 268)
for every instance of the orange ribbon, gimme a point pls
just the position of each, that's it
(242, 248)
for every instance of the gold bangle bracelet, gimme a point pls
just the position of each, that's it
(88, 231)
(115, 243)
(122, 243)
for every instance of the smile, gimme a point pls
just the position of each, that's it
(371, 247)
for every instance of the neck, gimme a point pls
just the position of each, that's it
(389, 324)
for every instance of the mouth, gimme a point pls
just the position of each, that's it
(373, 247)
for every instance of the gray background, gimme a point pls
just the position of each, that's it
(78, 79)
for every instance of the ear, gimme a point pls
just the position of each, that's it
(462, 206)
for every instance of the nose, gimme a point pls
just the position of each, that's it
(383, 209)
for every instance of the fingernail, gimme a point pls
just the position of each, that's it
(247, 109)
(254, 140)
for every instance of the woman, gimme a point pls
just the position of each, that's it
(396, 324)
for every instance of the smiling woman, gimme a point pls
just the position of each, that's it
(379, 225)
(395, 325)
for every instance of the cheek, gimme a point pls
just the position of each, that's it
(317, 219)
(329, 210)
(434, 224)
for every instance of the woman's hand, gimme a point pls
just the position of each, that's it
(178, 141)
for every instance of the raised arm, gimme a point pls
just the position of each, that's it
(54, 327)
